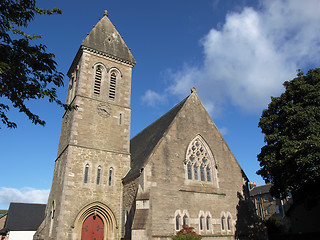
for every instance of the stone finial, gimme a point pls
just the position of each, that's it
(193, 90)
(105, 13)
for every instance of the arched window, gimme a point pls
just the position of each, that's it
(177, 222)
(201, 222)
(229, 223)
(98, 175)
(223, 223)
(185, 220)
(97, 80)
(110, 176)
(112, 87)
(200, 161)
(208, 223)
(86, 172)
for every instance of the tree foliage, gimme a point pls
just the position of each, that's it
(27, 71)
(291, 124)
(187, 233)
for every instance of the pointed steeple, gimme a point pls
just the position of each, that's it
(105, 39)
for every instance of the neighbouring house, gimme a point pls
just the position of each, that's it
(266, 205)
(3, 217)
(22, 221)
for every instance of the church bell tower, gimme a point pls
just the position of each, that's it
(85, 201)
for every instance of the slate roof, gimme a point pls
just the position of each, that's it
(3, 212)
(24, 216)
(149, 138)
(260, 190)
(106, 39)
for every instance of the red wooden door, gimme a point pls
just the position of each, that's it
(92, 228)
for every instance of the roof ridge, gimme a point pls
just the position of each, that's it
(155, 121)
(150, 137)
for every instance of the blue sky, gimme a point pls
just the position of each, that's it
(236, 53)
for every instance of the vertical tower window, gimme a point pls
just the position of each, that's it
(86, 172)
(97, 80)
(112, 88)
(52, 217)
(98, 175)
(120, 119)
(110, 176)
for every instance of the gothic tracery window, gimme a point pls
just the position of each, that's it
(199, 161)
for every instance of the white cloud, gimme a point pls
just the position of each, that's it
(26, 195)
(152, 98)
(253, 53)
(223, 131)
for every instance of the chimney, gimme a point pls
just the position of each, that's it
(252, 185)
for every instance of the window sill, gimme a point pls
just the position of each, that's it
(202, 189)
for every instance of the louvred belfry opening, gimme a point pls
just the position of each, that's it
(112, 90)
(92, 228)
(97, 81)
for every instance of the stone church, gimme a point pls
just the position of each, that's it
(177, 171)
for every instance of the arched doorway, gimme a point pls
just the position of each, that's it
(104, 217)
(92, 228)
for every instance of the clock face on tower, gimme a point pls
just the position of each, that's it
(104, 110)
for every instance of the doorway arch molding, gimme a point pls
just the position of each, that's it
(104, 212)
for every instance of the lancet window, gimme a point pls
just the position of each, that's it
(199, 161)
(86, 172)
(177, 222)
(98, 174)
(185, 220)
(97, 80)
(229, 223)
(110, 176)
(201, 222)
(208, 222)
(223, 219)
(112, 87)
